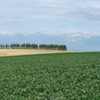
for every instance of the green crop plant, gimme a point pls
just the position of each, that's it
(62, 76)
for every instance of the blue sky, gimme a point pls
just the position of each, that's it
(49, 16)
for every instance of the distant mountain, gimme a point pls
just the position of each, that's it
(92, 43)
(17, 38)
(74, 41)
(38, 38)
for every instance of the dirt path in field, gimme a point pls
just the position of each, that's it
(16, 52)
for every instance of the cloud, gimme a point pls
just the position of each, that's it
(87, 9)
(50, 16)
(11, 20)
(6, 33)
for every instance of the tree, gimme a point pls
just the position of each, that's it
(23, 46)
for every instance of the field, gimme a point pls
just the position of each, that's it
(13, 52)
(60, 76)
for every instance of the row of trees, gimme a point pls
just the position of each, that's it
(34, 46)
(53, 47)
(18, 46)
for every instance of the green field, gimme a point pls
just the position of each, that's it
(64, 76)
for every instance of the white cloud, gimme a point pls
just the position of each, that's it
(87, 9)
(11, 20)
(48, 15)
(6, 33)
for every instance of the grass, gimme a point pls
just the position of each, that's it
(63, 76)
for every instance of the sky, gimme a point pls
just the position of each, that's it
(49, 16)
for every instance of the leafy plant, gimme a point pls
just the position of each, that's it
(66, 76)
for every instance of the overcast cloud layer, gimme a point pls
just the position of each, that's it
(49, 16)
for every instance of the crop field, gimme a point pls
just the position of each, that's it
(13, 52)
(60, 76)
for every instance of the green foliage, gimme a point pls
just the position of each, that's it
(31, 46)
(53, 47)
(23, 46)
(2, 46)
(68, 76)
(15, 46)
(34, 46)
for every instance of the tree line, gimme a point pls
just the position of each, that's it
(53, 47)
(34, 46)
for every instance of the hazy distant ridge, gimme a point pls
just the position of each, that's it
(74, 41)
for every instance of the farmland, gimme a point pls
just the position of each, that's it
(13, 52)
(60, 76)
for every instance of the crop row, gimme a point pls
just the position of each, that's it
(66, 76)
